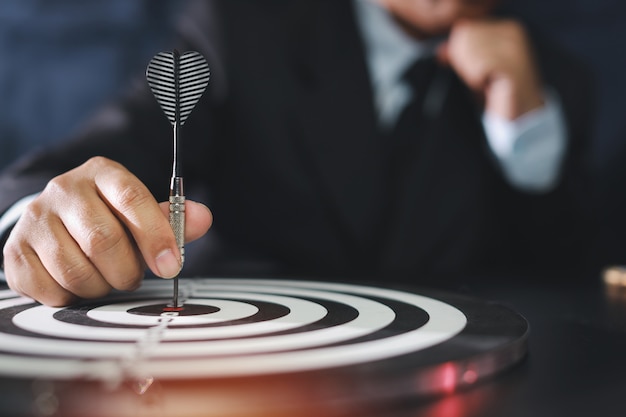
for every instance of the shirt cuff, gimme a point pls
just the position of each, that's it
(8, 220)
(531, 148)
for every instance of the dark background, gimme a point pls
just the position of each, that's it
(61, 59)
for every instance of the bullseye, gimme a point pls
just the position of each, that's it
(187, 310)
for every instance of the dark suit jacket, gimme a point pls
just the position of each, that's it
(285, 149)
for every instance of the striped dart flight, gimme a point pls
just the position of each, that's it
(178, 82)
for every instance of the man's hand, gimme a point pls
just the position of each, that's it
(495, 59)
(93, 229)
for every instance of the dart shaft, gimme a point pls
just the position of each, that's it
(177, 196)
(175, 296)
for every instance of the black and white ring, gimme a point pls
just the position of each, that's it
(235, 327)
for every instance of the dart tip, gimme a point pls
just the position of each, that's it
(175, 296)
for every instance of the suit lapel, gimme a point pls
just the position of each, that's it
(336, 118)
(438, 208)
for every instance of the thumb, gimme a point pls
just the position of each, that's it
(198, 219)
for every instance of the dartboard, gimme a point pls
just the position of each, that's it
(422, 342)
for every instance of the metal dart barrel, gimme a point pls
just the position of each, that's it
(177, 221)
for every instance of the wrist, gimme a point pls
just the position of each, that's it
(510, 100)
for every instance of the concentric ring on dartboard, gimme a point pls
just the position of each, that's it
(253, 327)
(41, 320)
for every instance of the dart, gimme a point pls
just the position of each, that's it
(177, 82)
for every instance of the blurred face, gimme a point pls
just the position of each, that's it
(427, 18)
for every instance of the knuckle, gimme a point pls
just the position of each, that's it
(76, 276)
(34, 213)
(59, 299)
(57, 185)
(132, 195)
(102, 238)
(98, 162)
(13, 268)
(130, 281)
(16, 259)
(9, 253)
(23, 278)
(128, 275)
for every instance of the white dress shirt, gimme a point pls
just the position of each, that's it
(529, 150)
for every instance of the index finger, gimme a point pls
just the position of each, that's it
(133, 204)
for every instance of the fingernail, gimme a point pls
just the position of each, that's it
(167, 264)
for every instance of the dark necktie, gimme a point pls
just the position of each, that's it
(408, 126)
(402, 143)
(404, 140)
